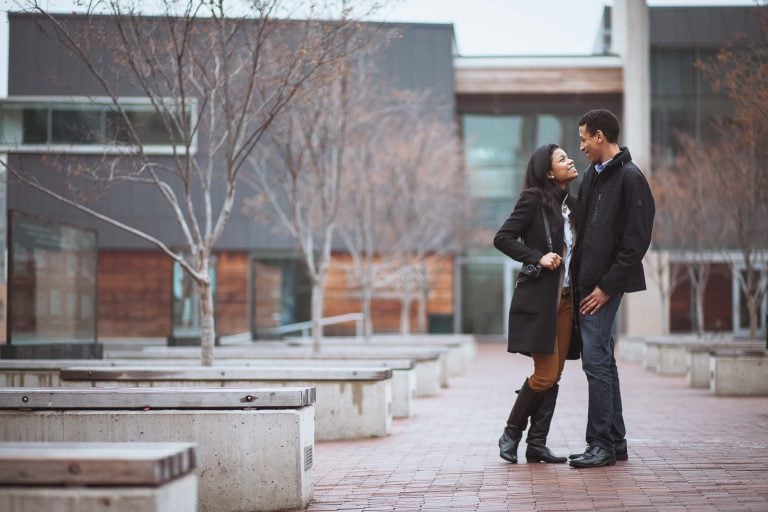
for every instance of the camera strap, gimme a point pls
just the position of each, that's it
(546, 228)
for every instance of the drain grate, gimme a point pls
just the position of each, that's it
(308, 454)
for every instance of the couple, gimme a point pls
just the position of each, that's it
(589, 249)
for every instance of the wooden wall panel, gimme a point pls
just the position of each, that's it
(134, 294)
(341, 297)
(232, 293)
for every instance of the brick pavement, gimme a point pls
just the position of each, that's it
(688, 451)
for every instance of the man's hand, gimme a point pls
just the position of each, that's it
(592, 303)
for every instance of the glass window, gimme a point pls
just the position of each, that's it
(44, 126)
(186, 301)
(75, 126)
(52, 282)
(482, 298)
(497, 151)
(280, 292)
(682, 100)
(34, 126)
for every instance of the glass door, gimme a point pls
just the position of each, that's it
(484, 287)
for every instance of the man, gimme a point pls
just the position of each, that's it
(614, 232)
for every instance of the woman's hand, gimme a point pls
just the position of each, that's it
(550, 260)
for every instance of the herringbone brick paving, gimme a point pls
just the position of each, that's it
(688, 451)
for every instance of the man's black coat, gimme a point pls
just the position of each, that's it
(614, 228)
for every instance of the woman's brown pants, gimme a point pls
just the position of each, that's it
(547, 368)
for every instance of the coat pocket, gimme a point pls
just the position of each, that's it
(526, 299)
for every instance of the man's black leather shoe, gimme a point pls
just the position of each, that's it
(594, 457)
(621, 452)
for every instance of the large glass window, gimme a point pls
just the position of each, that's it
(483, 310)
(186, 301)
(497, 151)
(280, 293)
(52, 294)
(30, 125)
(682, 100)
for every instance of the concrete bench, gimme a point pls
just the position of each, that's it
(115, 477)
(462, 349)
(697, 359)
(255, 446)
(667, 355)
(631, 350)
(45, 372)
(430, 368)
(337, 349)
(738, 372)
(352, 403)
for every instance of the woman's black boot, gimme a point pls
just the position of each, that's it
(516, 423)
(541, 418)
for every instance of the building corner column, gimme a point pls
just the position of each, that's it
(630, 36)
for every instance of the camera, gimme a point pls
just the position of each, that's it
(530, 270)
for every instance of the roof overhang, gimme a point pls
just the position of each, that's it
(601, 74)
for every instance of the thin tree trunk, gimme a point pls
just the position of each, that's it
(698, 274)
(421, 317)
(405, 309)
(207, 322)
(700, 310)
(753, 303)
(367, 297)
(665, 329)
(317, 314)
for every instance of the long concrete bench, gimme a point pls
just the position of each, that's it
(738, 372)
(118, 477)
(462, 349)
(430, 362)
(255, 446)
(45, 372)
(352, 403)
(667, 355)
(698, 354)
(631, 350)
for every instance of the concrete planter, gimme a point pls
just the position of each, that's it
(97, 477)
(249, 458)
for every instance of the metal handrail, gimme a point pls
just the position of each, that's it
(306, 327)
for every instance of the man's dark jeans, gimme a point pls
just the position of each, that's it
(605, 422)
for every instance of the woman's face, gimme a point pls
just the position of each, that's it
(562, 171)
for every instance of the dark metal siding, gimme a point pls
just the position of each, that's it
(420, 58)
(701, 26)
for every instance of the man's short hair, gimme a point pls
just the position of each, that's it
(603, 120)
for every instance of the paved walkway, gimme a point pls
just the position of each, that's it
(687, 451)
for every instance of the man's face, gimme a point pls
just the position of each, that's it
(590, 145)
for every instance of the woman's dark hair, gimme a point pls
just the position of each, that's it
(537, 180)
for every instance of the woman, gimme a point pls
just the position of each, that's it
(540, 316)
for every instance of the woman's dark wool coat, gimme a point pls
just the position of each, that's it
(533, 312)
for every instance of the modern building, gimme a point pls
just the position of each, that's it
(505, 107)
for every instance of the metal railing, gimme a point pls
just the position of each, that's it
(304, 327)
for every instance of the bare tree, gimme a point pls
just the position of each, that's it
(215, 83)
(741, 71)
(689, 223)
(402, 153)
(303, 172)
(429, 210)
